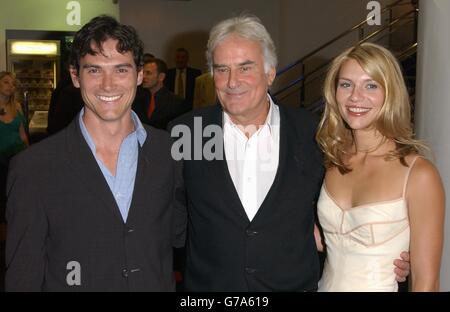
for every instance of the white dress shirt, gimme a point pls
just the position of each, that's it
(253, 162)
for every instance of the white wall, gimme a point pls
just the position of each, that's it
(166, 25)
(433, 100)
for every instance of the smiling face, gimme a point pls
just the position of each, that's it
(108, 82)
(359, 97)
(240, 80)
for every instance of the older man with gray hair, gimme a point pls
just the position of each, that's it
(251, 210)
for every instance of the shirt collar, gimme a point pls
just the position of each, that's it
(272, 120)
(141, 133)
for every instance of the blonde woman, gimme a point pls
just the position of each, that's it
(12, 131)
(380, 196)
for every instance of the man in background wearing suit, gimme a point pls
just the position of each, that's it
(251, 200)
(99, 205)
(181, 79)
(162, 105)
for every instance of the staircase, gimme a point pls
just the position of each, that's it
(302, 79)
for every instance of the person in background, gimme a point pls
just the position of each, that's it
(147, 57)
(65, 103)
(12, 129)
(205, 93)
(13, 138)
(380, 196)
(181, 79)
(162, 106)
(99, 205)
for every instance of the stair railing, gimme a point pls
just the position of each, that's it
(301, 80)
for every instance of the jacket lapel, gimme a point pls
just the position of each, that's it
(85, 167)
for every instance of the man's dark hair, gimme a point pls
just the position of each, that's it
(182, 50)
(147, 57)
(98, 30)
(161, 66)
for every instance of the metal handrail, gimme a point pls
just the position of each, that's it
(408, 51)
(301, 60)
(400, 18)
(291, 84)
(343, 34)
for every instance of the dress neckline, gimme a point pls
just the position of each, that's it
(376, 203)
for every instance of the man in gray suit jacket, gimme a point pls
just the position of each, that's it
(99, 205)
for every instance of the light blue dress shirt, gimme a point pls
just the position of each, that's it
(122, 184)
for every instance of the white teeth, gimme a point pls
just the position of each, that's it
(109, 98)
(358, 109)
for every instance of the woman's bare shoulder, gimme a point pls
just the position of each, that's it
(424, 174)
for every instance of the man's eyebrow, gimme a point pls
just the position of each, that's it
(91, 66)
(116, 66)
(123, 65)
(248, 62)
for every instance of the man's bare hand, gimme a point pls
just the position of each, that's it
(403, 267)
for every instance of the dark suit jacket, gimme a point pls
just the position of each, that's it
(191, 74)
(277, 250)
(168, 106)
(61, 209)
(65, 104)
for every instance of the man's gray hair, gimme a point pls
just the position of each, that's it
(247, 27)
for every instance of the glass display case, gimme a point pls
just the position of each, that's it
(36, 66)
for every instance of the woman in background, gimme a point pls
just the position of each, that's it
(13, 138)
(379, 196)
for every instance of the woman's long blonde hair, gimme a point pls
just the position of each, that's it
(11, 104)
(335, 137)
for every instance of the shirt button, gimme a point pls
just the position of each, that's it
(125, 273)
(250, 270)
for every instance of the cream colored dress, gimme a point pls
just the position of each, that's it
(363, 242)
